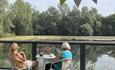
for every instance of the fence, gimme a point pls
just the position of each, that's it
(73, 40)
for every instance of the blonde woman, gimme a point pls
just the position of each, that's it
(19, 58)
(65, 53)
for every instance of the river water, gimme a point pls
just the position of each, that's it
(104, 62)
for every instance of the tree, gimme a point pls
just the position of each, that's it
(86, 30)
(69, 23)
(35, 20)
(22, 18)
(64, 9)
(47, 22)
(92, 18)
(54, 17)
(97, 25)
(5, 21)
(108, 25)
(66, 25)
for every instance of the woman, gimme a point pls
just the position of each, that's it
(19, 57)
(66, 53)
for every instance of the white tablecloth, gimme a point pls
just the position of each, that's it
(42, 60)
(46, 56)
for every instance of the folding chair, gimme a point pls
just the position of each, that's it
(66, 63)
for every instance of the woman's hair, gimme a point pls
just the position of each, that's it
(66, 46)
(13, 47)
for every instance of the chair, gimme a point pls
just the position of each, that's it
(66, 63)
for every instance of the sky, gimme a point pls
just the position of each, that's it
(104, 7)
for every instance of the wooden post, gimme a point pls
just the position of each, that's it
(34, 52)
(82, 57)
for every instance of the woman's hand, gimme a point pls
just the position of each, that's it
(58, 56)
(23, 54)
(57, 50)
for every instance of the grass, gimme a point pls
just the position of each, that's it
(4, 63)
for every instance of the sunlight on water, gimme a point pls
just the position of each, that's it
(105, 62)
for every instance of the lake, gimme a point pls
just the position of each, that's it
(104, 62)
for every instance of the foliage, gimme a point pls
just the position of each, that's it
(108, 25)
(47, 22)
(26, 48)
(86, 29)
(4, 18)
(75, 65)
(21, 18)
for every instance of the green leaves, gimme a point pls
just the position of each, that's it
(86, 29)
(62, 2)
(22, 18)
(4, 18)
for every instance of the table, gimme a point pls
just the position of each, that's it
(42, 60)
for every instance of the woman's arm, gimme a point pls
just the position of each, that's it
(24, 57)
(17, 59)
(58, 56)
(19, 56)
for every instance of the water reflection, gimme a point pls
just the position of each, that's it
(105, 62)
